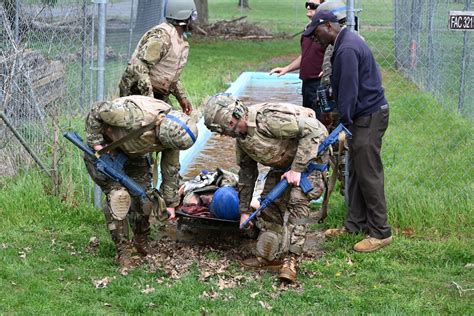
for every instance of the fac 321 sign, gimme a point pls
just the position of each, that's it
(461, 20)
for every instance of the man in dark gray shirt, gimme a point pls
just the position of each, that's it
(357, 88)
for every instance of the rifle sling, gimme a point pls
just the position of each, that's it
(126, 138)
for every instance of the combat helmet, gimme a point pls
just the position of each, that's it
(180, 11)
(338, 8)
(220, 109)
(177, 131)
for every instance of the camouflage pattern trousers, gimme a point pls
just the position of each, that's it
(288, 216)
(138, 216)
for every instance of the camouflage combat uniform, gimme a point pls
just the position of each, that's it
(281, 136)
(109, 121)
(331, 119)
(156, 65)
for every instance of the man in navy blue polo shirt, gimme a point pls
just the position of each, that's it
(357, 88)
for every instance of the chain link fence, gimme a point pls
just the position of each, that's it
(49, 64)
(44, 74)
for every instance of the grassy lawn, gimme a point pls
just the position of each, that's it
(47, 266)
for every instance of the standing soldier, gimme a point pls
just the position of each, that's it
(160, 56)
(285, 137)
(160, 129)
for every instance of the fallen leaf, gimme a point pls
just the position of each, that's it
(254, 295)
(204, 275)
(265, 305)
(338, 274)
(151, 305)
(4, 246)
(349, 262)
(148, 289)
(212, 295)
(123, 271)
(408, 232)
(108, 304)
(102, 283)
(469, 265)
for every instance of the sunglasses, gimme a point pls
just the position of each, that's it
(311, 6)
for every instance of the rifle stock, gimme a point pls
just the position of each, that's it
(111, 167)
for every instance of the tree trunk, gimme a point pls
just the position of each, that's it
(203, 11)
(244, 3)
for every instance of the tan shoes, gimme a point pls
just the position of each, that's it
(334, 232)
(288, 270)
(261, 263)
(371, 244)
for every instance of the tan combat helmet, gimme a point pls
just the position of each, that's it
(338, 8)
(180, 11)
(177, 131)
(220, 109)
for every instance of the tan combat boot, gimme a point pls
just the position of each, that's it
(288, 270)
(334, 232)
(124, 254)
(141, 244)
(371, 244)
(261, 263)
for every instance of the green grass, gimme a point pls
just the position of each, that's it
(429, 192)
(427, 154)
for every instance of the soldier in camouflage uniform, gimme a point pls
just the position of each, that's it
(285, 137)
(166, 131)
(160, 57)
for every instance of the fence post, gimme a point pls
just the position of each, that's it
(130, 31)
(83, 56)
(463, 64)
(351, 15)
(430, 66)
(102, 18)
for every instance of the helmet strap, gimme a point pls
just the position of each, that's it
(183, 125)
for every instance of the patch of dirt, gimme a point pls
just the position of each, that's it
(237, 28)
(214, 252)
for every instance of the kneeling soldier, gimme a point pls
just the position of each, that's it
(164, 130)
(285, 137)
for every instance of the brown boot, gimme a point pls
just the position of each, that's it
(141, 244)
(288, 270)
(124, 255)
(371, 244)
(261, 263)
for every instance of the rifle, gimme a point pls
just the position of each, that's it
(111, 167)
(305, 184)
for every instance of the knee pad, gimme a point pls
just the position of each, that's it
(268, 245)
(120, 202)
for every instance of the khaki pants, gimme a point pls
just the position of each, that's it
(296, 203)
